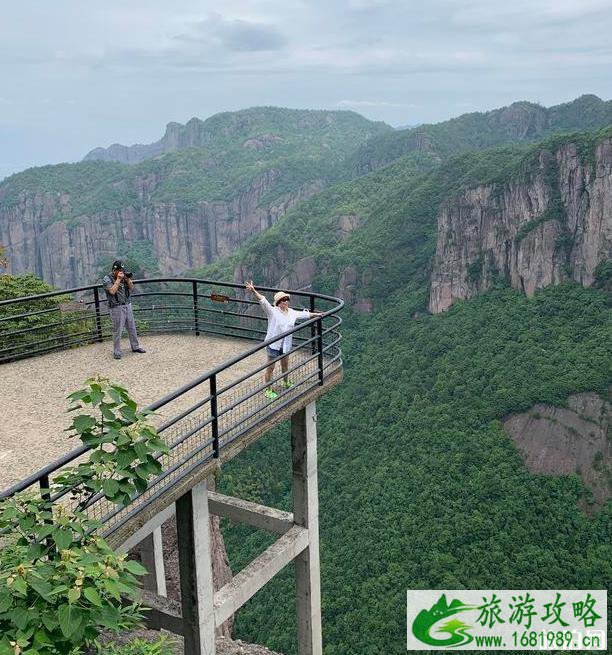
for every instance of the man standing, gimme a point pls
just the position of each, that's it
(118, 286)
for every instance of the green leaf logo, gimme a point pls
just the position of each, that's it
(455, 629)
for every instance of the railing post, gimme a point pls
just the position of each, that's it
(98, 317)
(44, 487)
(313, 329)
(45, 494)
(320, 348)
(196, 322)
(215, 416)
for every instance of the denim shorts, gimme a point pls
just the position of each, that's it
(273, 354)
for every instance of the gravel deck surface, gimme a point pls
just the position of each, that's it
(33, 391)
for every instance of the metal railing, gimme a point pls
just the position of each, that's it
(204, 416)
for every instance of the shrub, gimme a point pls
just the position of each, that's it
(60, 583)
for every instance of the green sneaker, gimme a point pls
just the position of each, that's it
(287, 384)
(270, 394)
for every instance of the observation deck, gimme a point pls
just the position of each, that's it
(202, 375)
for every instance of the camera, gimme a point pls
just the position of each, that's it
(128, 274)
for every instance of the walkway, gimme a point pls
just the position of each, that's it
(33, 391)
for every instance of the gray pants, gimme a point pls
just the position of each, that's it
(122, 316)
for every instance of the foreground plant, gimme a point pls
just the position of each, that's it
(60, 583)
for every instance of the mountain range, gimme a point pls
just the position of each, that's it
(467, 446)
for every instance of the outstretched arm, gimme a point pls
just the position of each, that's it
(251, 287)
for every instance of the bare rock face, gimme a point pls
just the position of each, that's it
(554, 226)
(347, 223)
(348, 285)
(67, 254)
(558, 440)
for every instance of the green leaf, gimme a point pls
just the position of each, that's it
(141, 450)
(69, 619)
(96, 397)
(83, 423)
(92, 596)
(107, 412)
(82, 394)
(115, 394)
(142, 472)
(110, 488)
(19, 584)
(20, 617)
(108, 616)
(124, 458)
(49, 621)
(158, 444)
(42, 587)
(122, 440)
(128, 412)
(6, 600)
(5, 646)
(62, 538)
(141, 485)
(42, 638)
(135, 567)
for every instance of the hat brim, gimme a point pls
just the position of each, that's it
(281, 299)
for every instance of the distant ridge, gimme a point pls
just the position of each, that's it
(246, 122)
(517, 123)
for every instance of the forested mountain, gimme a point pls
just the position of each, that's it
(182, 209)
(257, 128)
(526, 215)
(519, 122)
(420, 485)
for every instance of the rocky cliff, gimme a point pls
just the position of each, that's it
(68, 253)
(566, 440)
(551, 224)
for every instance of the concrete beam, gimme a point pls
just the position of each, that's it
(150, 526)
(306, 514)
(195, 566)
(236, 509)
(152, 558)
(260, 571)
(243, 511)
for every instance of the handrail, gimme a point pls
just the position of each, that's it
(218, 398)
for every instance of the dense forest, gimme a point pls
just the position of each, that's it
(419, 485)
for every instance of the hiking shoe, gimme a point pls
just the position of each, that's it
(270, 394)
(139, 350)
(117, 355)
(287, 384)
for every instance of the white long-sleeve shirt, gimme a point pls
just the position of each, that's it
(279, 322)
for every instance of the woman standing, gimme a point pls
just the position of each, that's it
(280, 319)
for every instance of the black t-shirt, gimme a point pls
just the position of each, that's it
(122, 297)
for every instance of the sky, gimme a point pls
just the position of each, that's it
(75, 75)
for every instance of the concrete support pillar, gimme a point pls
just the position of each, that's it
(152, 558)
(195, 566)
(306, 515)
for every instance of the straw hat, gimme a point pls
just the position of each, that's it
(280, 295)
